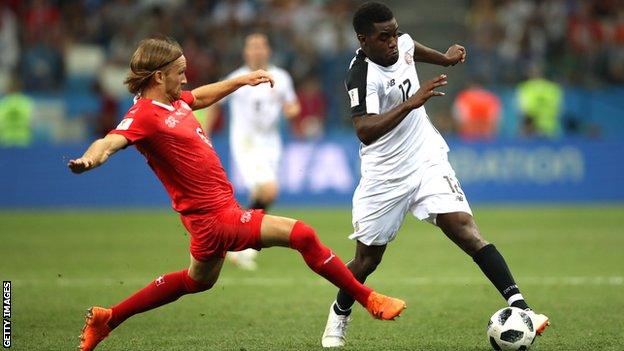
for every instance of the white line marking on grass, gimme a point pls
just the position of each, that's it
(407, 281)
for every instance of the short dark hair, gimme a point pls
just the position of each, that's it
(368, 14)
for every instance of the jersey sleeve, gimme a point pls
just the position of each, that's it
(363, 92)
(134, 126)
(187, 97)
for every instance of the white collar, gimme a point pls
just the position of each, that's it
(165, 106)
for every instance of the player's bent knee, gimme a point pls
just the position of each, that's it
(194, 286)
(303, 237)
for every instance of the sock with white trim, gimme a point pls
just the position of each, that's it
(496, 270)
(325, 263)
(339, 310)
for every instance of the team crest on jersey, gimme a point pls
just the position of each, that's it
(171, 122)
(246, 216)
(409, 59)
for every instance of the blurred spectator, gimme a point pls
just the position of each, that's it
(108, 114)
(477, 113)
(233, 13)
(42, 66)
(615, 51)
(15, 117)
(485, 34)
(9, 46)
(309, 123)
(201, 63)
(39, 17)
(540, 102)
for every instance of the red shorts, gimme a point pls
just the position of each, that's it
(231, 229)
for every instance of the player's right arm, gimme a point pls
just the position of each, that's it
(98, 153)
(370, 127)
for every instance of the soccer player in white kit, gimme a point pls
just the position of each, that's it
(255, 142)
(404, 162)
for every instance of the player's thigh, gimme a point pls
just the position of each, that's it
(275, 231)
(439, 191)
(379, 208)
(205, 271)
(256, 166)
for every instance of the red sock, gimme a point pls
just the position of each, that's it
(163, 290)
(325, 263)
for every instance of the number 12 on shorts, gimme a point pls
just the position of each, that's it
(453, 184)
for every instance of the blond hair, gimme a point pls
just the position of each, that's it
(150, 56)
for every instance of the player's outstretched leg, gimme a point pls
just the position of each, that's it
(280, 231)
(366, 260)
(101, 321)
(462, 230)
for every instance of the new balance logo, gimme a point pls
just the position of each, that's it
(390, 83)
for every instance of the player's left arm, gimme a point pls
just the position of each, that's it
(291, 109)
(455, 54)
(291, 106)
(207, 95)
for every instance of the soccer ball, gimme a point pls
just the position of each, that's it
(510, 328)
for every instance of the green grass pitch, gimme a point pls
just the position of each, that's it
(569, 263)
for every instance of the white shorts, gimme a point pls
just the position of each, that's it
(256, 164)
(380, 206)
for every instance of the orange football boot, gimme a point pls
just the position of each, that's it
(95, 328)
(384, 307)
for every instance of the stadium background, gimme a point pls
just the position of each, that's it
(550, 184)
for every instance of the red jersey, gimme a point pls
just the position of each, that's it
(179, 152)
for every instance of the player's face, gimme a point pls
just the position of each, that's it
(175, 77)
(382, 45)
(257, 51)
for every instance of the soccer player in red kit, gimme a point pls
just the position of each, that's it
(162, 127)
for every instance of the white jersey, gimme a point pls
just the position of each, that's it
(255, 111)
(374, 89)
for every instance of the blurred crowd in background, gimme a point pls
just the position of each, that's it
(574, 42)
(62, 63)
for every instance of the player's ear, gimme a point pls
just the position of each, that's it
(159, 77)
(361, 38)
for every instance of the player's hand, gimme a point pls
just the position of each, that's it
(455, 54)
(258, 77)
(427, 91)
(80, 165)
